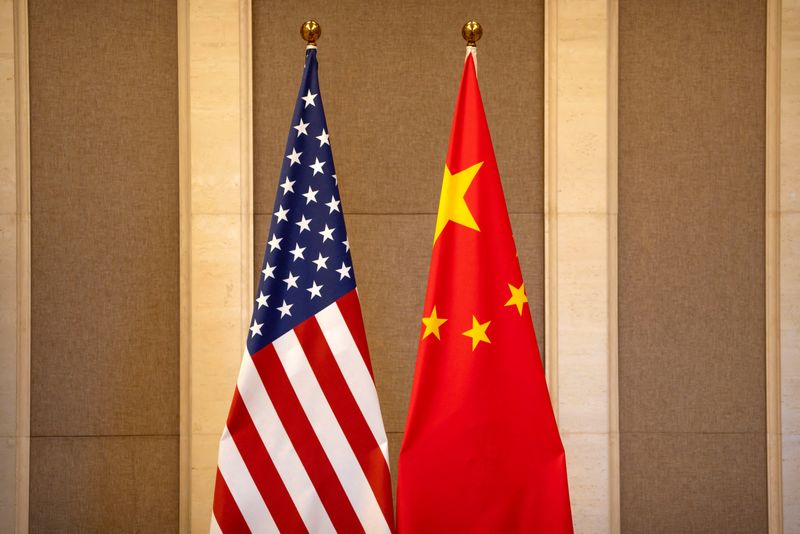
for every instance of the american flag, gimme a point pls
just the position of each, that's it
(304, 448)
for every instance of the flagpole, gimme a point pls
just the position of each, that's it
(472, 33)
(310, 30)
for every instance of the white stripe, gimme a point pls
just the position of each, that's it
(214, 529)
(329, 433)
(280, 449)
(355, 371)
(242, 487)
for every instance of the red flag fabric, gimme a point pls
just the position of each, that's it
(481, 451)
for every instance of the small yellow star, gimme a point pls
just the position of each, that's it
(432, 324)
(518, 297)
(452, 206)
(477, 332)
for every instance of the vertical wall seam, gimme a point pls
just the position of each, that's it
(550, 200)
(23, 266)
(246, 154)
(185, 205)
(613, 279)
(773, 268)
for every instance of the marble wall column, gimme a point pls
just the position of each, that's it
(14, 267)
(580, 245)
(788, 216)
(216, 233)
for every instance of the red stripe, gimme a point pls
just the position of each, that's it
(262, 469)
(347, 413)
(350, 307)
(305, 441)
(226, 511)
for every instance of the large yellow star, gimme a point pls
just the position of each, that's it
(432, 324)
(518, 297)
(452, 206)
(477, 332)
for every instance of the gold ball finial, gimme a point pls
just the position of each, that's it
(310, 31)
(472, 32)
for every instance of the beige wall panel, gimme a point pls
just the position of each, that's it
(8, 325)
(8, 149)
(790, 260)
(691, 263)
(94, 484)
(105, 259)
(14, 279)
(672, 495)
(216, 237)
(8, 497)
(580, 240)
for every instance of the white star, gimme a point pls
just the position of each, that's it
(309, 99)
(288, 186)
(291, 281)
(274, 243)
(262, 300)
(327, 233)
(320, 262)
(346, 244)
(303, 223)
(268, 270)
(333, 204)
(314, 290)
(281, 214)
(297, 252)
(323, 138)
(311, 196)
(294, 157)
(285, 309)
(344, 271)
(256, 328)
(335, 179)
(317, 166)
(301, 128)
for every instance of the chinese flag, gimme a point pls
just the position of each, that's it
(481, 451)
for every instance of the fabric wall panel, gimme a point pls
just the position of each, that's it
(105, 259)
(691, 265)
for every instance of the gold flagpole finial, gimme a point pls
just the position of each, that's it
(472, 32)
(310, 31)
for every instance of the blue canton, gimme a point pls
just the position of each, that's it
(307, 264)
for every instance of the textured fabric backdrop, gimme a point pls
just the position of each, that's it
(105, 259)
(691, 266)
